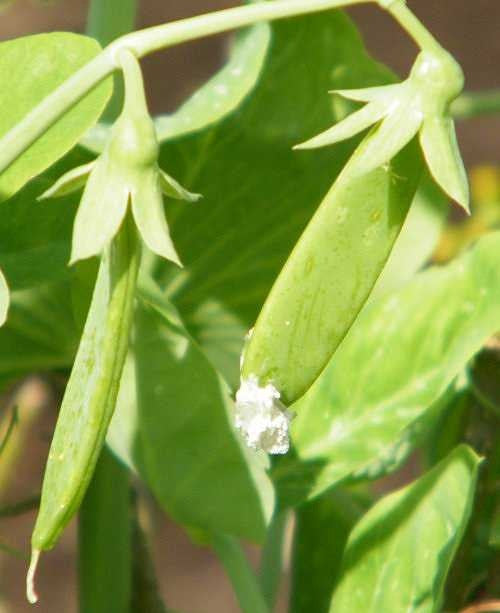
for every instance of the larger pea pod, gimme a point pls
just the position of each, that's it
(320, 291)
(90, 396)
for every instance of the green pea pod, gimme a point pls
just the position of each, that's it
(320, 290)
(90, 395)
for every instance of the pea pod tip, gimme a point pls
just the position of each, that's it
(31, 594)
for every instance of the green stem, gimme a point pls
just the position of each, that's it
(474, 104)
(105, 540)
(18, 508)
(141, 43)
(10, 429)
(272, 558)
(241, 575)
(107, 21)
(135, 104)
(146, 596)
(413, 26)
(12, 551)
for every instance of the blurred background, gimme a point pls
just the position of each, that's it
(191, 579)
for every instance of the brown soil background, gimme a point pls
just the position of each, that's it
(191, 579)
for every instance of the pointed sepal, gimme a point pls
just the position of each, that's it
(348, 127)
(101, 211)
(439, 144)
(173, 189)
(149, 215)
(370, 94)
(387, 139)
(70, 182)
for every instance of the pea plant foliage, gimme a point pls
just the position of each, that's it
(243, 303)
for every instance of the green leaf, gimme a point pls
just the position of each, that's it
(222, 94)
(36, 236)
(258, 195)
(42, 62)
(173, 424)
(321, 530)
(40, 335)
(104, 540)
(399, 554)
(398, 359)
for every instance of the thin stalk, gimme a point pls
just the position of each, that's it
(10, 429)
(141, 43)
(271, 565)
(474, 104)
(12, 551)
(104, 535)
(413, 26)
(146, 596)
(240, 574)
(19, 508)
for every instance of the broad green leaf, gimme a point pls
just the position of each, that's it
(396, 362)
(105, 540)
(322, 527)
(40, 335)
(399, 554)
(258, 195)
(40, 63)
(222, 94)
(35, 236)
(173, 425)
(485, 377)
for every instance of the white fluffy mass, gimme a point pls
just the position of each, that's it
(261, 417)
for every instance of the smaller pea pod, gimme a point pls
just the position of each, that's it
(90, 396)
(320, 291)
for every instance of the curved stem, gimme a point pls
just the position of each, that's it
(415, 28)
(241, 575)
(135, 97)
(475, 104)
(271, 566)
(141, 43)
